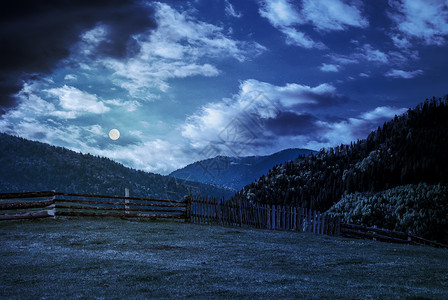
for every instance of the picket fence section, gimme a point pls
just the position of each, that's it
(52, 204)
(278, 217)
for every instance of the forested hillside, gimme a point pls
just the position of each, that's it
(32, 166)
(409, 149)
(419, 208)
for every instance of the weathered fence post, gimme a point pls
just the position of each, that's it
(52, 212)
(187, 200)
(126, 201)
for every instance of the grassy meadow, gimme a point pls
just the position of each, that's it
(117, 258)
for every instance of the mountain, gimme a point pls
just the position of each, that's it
(236, 172)
(33, 166)
(408, 153)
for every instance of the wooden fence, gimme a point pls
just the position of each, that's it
(217, 211)
(196, 210)
(27, 205)
(52, 204)
(385, 235)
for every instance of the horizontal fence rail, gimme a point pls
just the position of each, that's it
(385, 235)
(51, 204)
(36, 205)
(74, 204)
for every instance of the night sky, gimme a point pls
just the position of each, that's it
(189, 80)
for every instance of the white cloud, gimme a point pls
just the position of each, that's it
(96, 129)
(403, 74)
(70, 77)
(297, 38)
(245, 113)
(74, 100)
(333, 15)
(382, 112)
(230, 10)
(400, 42)
(372, 54)
(367, 53)
(159, 156)
(280, 13)
(351, 129)
(289, 95)
(194, 39)
(283, 16)
(136, 133)
(322, 15)
(230, 127)
(425, 20)
(329, 68)
(91, 39)
(178, 48)
(343, 59)
(130, 106)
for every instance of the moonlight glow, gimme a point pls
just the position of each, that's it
(114, 134)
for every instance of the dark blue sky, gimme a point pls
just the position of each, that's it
(189, 80)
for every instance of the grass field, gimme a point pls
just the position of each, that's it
(115, 258)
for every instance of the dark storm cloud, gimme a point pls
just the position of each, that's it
(290, 124)
(326, 99)
(36, 35)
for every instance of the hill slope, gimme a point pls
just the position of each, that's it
(397, 178)
(33, 166)
(236, 172)
(409, 149)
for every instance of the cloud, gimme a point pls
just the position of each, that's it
(403, 74)
(342, 59)
(159, 156)
(400, 42)
(423, 20)
(372, 54)
(297, 38)
(334, 15)
(178, 48)
(280, 13)
(230, 10)
(28, 48)
(350, 129)
(291, 94)
(71, 77)
(74, 100)
(329, 68)
(283, 16)
(252, 122)
(257, 115)
(130, 106)
(365, 53)
(321, 14)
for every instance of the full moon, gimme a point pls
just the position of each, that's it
(114, 134)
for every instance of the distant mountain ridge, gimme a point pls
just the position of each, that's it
(33, 166)
(236, 172)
